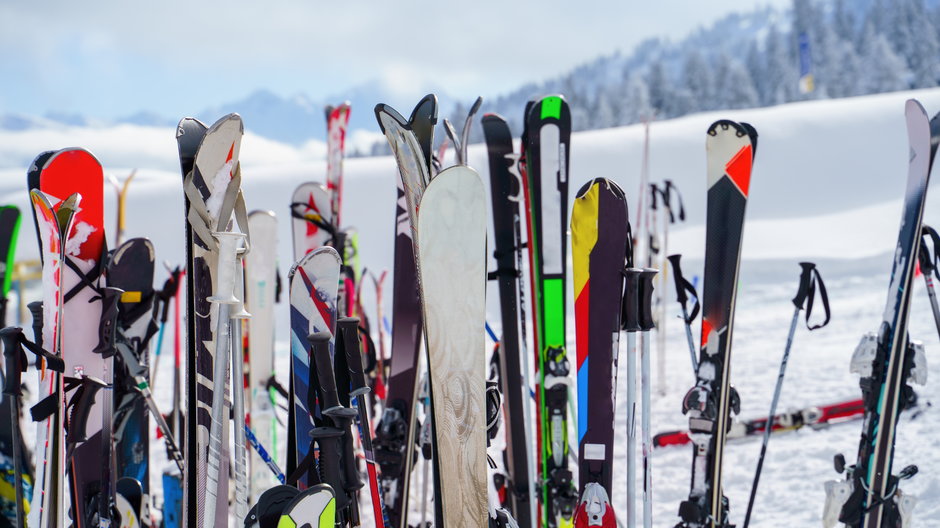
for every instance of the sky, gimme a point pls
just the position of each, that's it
(108, 59)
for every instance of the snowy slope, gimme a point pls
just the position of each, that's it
(827, 184)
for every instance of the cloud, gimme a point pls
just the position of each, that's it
(175, 57)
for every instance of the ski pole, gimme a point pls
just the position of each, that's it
(348, 329)
(110, 297)
(263, 454)
(14, 341)
(169, 291)
(13, 371)
(223, 297)
(330, 439)
(809, 281)
(139, 374)
(928, 266)
(238, 392)
(682, 287)
(645, 319)
(631, 325)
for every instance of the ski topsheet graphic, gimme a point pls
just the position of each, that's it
(546, 141)
(395, 431)
(506, 192)
(600, 247)
(211, 184)
(260, 286)
(66, 172)
(730, 152)
(337, 120)
(451, 253)
(54, 227)
(311, 216)
(314, 282)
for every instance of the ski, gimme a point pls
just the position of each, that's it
(349, 332)
(600, 251)
(451, 257)
(506, 192)
(870, 497)
(314, 281)
(120, 195)
(65, 172)
(13, 453)
(54, 227)
(211, 186)
(337, 120)
(395, 431)
(814, 417)
(730, 150)
(131, 269)
(313, 508)
(260, 286)
(310, 213)
(10, 218)
(546, 141)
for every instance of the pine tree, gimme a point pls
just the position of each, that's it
(660, 89)
(757, 69)
(741, 92)
(781, 77)
(843, 21)
(884, 70)
(698, 81)
(639, 106)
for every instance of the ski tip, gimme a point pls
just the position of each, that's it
(914, 106)
(232, 119)
(425, 109)
(75, 157)
(383, 109)
(476, 106)
(190, 125)
(727, 124)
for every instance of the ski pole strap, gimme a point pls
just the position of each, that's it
(684, 288)
(79, 407)
(667, 198)
(316, 220)
(14, 339)
(493, 405)
(929, 265)
(169, 290)
(810, 281)
(272, 383)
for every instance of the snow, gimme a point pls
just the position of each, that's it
(828, 181)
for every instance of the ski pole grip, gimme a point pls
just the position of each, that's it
(806, 280)
(677, 277)
(225, 284)
(78, 420)
(631, 299)
(320, 350)
(10, 337)
(645, 299)
(329, 463)
(35, 309)
(349, 329)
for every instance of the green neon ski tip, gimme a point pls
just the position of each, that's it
(551, 107)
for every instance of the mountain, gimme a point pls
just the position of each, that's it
(744, 60)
